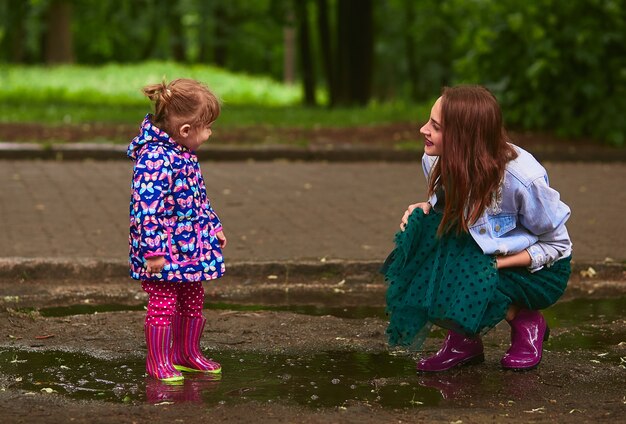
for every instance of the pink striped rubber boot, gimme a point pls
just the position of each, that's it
(159, 360)
(186, 347)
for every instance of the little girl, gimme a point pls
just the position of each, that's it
(176, 239)
(489, 244)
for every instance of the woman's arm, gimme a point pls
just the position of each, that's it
(544, 214)
(517, 259)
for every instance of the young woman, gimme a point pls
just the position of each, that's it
(489, 244)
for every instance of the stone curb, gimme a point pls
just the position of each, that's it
(98, 269)
(102, 152)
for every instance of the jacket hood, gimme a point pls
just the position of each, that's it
(148, 133)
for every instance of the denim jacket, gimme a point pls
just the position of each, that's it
(525, 214)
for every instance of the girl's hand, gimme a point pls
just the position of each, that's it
(222, 239)
(425, 206)
(155, 264)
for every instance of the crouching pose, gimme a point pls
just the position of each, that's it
(489, 244)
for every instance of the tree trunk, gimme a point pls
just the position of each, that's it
(220, 47)
(177, 37)
(323, 28)
(355, 51)
(409, 44)
(305, 53)
(289, 38)
(204, 35)
(58, 42)
(13, 41)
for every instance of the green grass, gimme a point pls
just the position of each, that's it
(112, 94)
(232, 115)
(115, 84)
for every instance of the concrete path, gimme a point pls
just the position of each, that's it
(273, 211)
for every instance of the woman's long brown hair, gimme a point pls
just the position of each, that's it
(474, 155)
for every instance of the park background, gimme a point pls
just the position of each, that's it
(313, 72)
(302, 292)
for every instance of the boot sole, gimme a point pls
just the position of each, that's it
(474, 360)
(187, 369)
(176, 379)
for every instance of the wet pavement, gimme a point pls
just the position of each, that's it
(273, 211)
(75, 354)
(299, 355)
(295, 345)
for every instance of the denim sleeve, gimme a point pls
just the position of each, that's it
(150, 186)
(427, 165)
(544, 214)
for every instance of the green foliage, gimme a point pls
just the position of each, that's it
(115, 84)
(555, 65)
(414, 48)
(232, 116)
(243, 35)
(112, 94)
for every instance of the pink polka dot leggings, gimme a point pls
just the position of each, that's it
(165, 299)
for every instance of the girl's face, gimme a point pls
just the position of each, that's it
(433, 138)
(193, 137)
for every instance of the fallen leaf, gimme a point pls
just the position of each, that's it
(47, 336)
(588, 273)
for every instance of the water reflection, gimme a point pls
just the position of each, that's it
(192, 389)
(325, 379)
(453, 385)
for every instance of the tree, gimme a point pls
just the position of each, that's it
(306, 54)
(355, 51)
(220, 45)
(347, 50)
(14, 13)
(326, 49)
(58, 42)
(176, 35)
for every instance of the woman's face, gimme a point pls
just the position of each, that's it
(433, 139)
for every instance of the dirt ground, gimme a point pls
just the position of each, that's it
(383, 135)
(573, 384)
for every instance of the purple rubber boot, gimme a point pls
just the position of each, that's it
(528, 332)
(159, 362)
(186, 347)
(456, 350)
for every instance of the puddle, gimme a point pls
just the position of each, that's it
(587, 320)
(329, 379)
(587, 324)
(566, 314)
(584, 311)
(326, 379)
(356, 312)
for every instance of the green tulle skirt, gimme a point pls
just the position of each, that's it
(450, 282)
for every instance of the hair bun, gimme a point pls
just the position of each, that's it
(165, 92)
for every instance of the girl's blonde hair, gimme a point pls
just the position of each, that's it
(182, 101)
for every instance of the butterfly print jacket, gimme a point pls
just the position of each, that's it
(170, 213)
